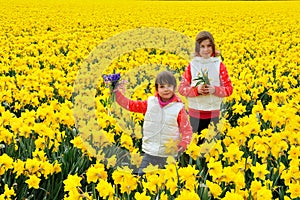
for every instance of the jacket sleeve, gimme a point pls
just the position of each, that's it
(184, 128)
(185, 88)
(225, 89)
(131, 105)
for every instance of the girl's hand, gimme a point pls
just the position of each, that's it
(180, 150)
(181, 147)
(206, 89)
(202, 90)
(210, 89)
(217, 53)
(120, 86)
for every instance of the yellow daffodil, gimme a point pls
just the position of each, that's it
(96, 173)
(294, 190)
(8, 192)
(141, 196)
(5, 163)
(188, 194)
(153, 183)
(33, 182)
(214, 188)
(72, 182)
(260, 171)
(135, 158)
(232, 195)
(172, 185)
(215, 168)
(105, 189)
(188, 176)
(193, 150)
(233, 153)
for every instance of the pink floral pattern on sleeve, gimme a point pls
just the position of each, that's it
(184, 128)
(226, 88)
(185, 88)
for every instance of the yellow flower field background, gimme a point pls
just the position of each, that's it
(42, 153)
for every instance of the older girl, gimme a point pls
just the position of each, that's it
(205, 99)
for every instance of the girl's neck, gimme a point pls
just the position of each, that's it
(166, 102)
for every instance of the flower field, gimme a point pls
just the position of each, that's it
(57, 142)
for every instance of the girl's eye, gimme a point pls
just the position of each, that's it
(203, 46)
(165, 86)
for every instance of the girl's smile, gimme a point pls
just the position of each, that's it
(165, 91)
(206, 49)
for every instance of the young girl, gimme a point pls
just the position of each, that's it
(165, 118)
(205, 99)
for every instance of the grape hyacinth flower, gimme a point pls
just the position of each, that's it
(111, 81)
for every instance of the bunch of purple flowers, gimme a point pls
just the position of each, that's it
(111, 81)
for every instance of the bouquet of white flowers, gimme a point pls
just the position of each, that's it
(202, 78)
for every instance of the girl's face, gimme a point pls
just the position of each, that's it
(165, 91)
(206, 49)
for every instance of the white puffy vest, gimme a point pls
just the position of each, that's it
(161, 128)
(207, 102)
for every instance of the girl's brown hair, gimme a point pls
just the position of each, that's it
(204, 35)
(165, 77)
